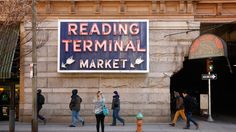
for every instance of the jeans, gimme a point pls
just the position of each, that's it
(189, 118)
(75, 117)
(116, 115)
(100, 119)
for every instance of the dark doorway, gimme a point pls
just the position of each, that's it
(223, 89)
(189, 79)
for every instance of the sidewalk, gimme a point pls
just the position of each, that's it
(50, 127)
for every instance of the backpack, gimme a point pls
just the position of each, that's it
(105, 110)
(194, 103)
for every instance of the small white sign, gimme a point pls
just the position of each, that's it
(31, 70)
(209, 76)
(203, 101)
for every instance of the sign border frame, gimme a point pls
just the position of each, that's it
(101, 71)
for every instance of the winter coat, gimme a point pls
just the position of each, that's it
(75, 102)
(40, 100)
(115, 102)
(99, 104)
(187, 103)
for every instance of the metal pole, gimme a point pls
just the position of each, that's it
(34, 79)
(209, 99)
(12, 109)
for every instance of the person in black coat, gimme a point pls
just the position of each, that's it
(75, 109)
(40, 103)
(188, 110)
(116, 109)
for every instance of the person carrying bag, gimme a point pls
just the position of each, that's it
(100, 111)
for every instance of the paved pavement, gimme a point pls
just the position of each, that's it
(216, 126)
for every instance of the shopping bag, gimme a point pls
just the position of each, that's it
(105, 111)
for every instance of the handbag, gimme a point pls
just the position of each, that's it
(105, 110)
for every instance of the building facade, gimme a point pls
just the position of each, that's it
(173, 25)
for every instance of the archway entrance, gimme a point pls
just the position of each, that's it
(189, 79)
(223, 89)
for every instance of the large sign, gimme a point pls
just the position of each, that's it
(103, 46)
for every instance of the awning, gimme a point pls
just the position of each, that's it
(207, 46)
(8, 42)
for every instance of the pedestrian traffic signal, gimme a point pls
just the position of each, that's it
(209, 65)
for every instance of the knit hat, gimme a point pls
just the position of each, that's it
(39, 91)
(115, 92)
(74, 91)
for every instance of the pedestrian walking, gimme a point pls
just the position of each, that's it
(179, 109)
(40, 103)
(75, 109)
(188, 106)
(98, 110)
(116, 109)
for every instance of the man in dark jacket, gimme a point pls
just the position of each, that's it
(75, 108)
(116, 109)
(40, 102)
(188, 110)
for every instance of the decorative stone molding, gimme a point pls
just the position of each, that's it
(154, 6)
(73, 7)
(122, 6)
(97, 7)
(182, 7)
(162, 7)
(219, 9)
(200, 10)
(48, 7)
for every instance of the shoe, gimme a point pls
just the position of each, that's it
(82, 123)
(197, 126)
(71, 126)
(44, 121)
(172, 124)
(186, 128)
(123, 123)
(112, 124)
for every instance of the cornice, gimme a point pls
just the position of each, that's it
(198, 10)
(217, 1)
